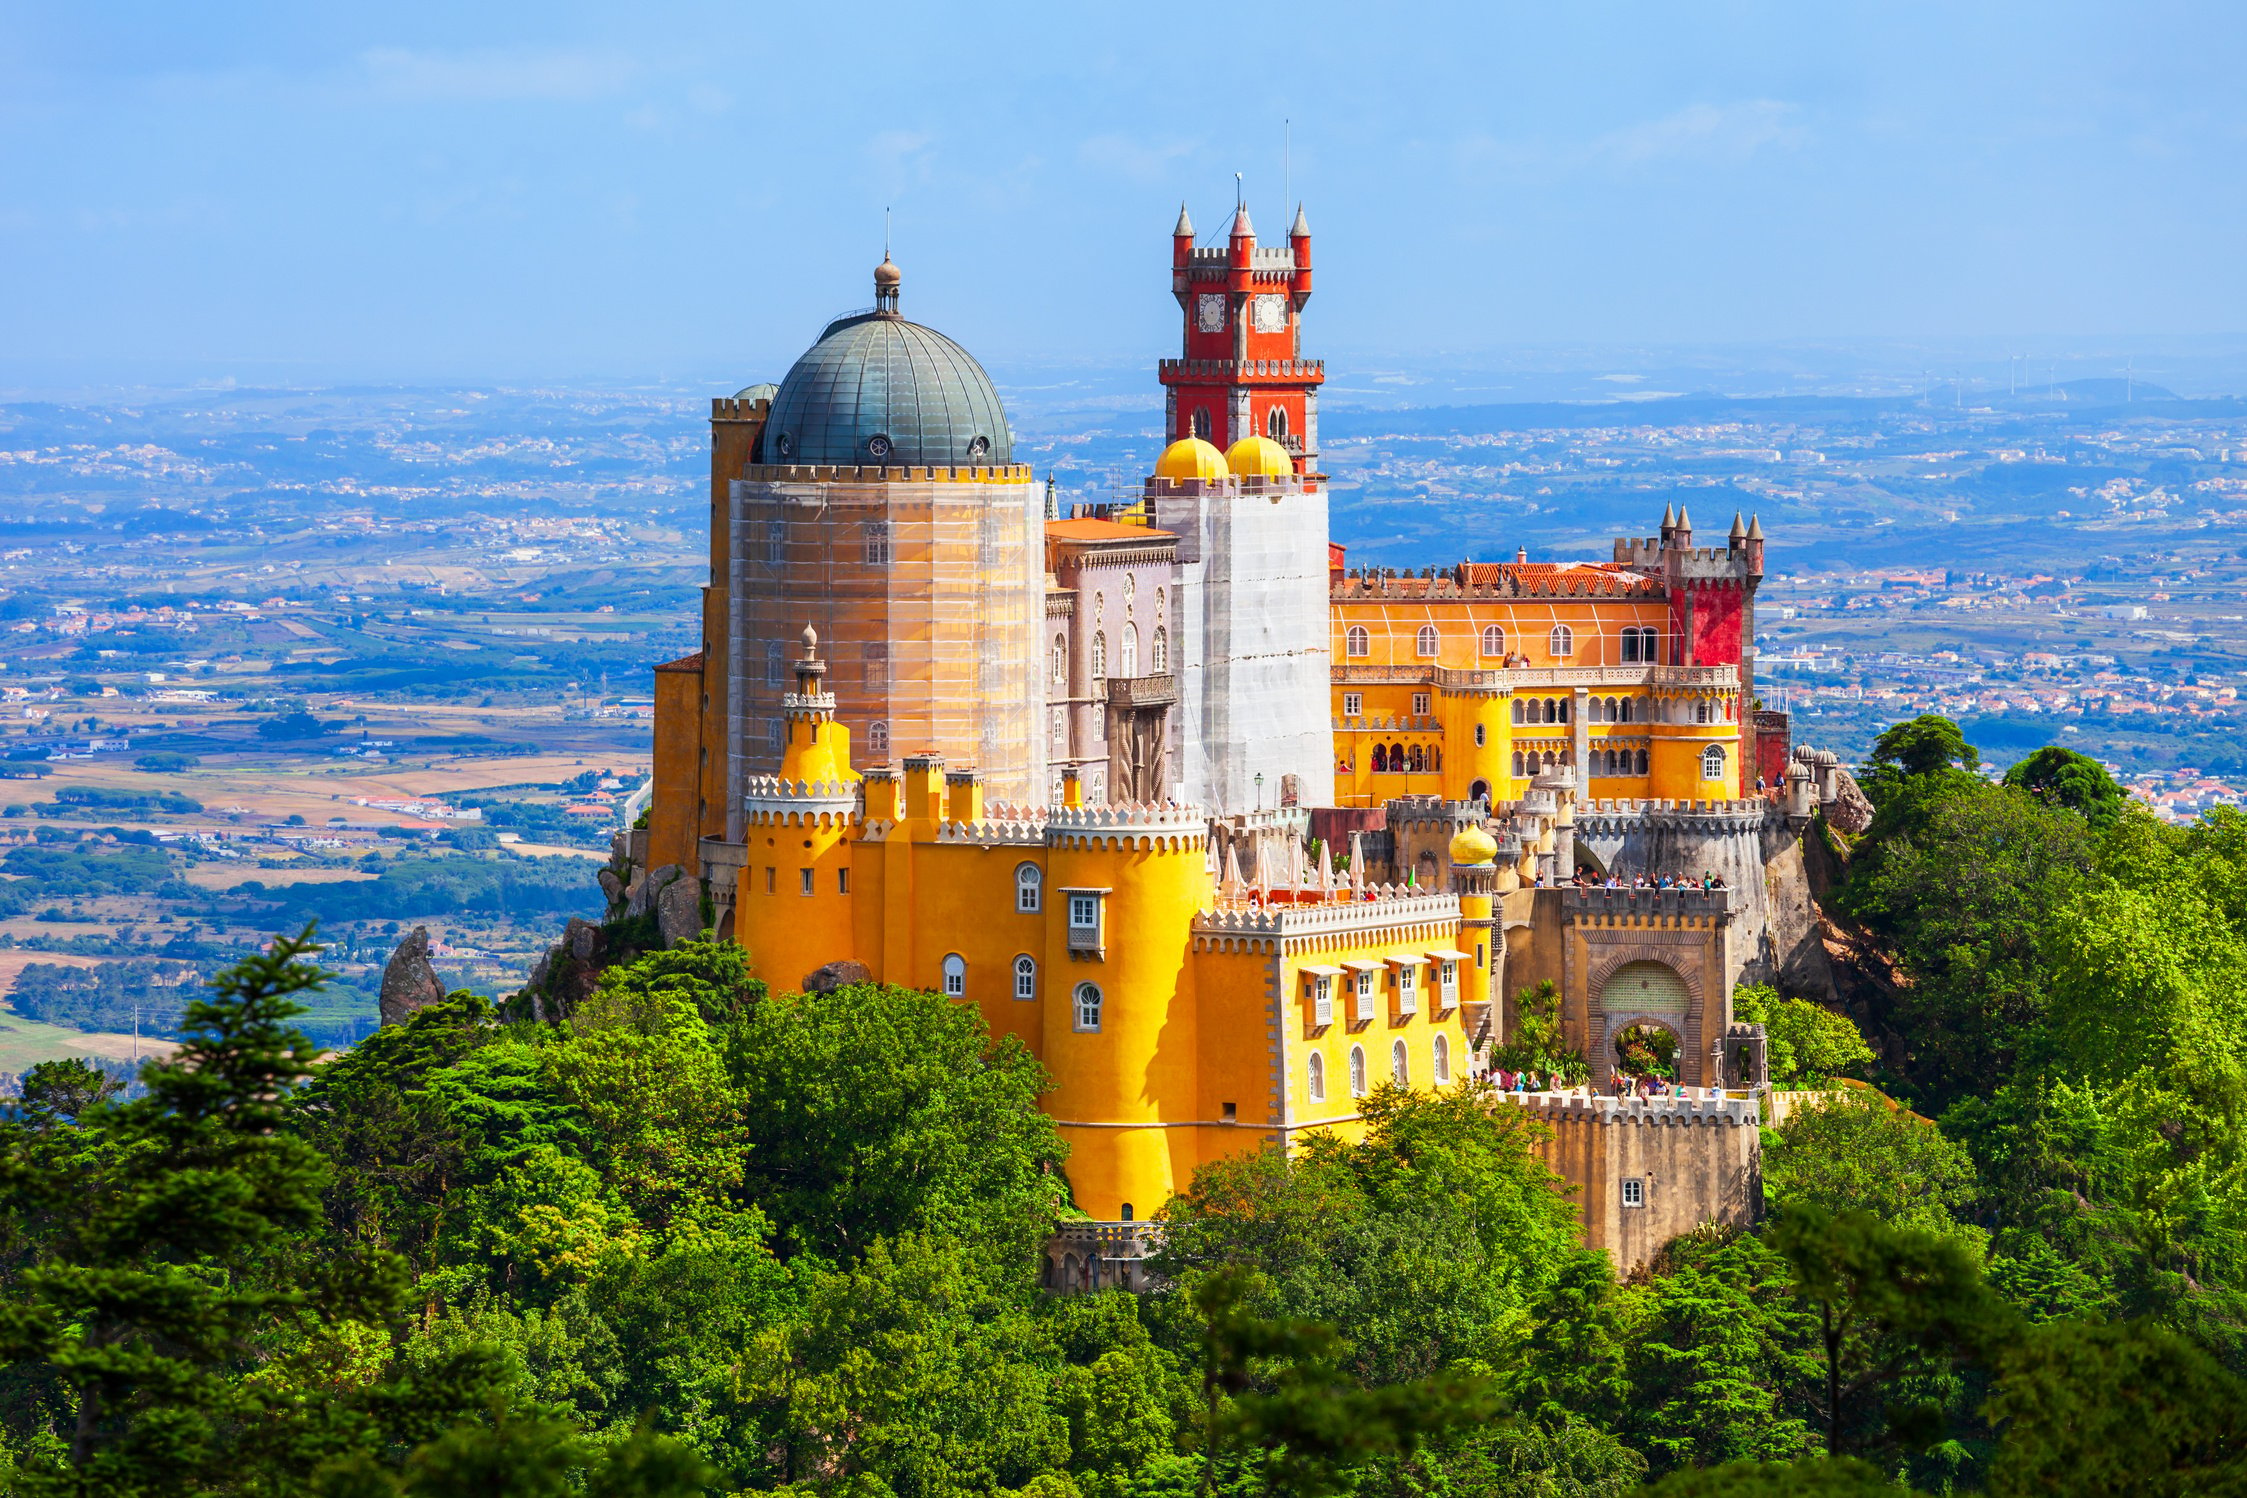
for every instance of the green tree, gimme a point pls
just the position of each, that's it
(1807, 1043)
(2064, 778)
(1536, 1045)
(1858, 1150)
(1928, 747)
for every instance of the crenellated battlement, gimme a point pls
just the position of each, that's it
(1167, 826)
(1001, 827)
(869, 473)
(1578, 1108)
(1679, 902)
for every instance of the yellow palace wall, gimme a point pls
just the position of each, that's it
(1437, 702)
(1188, 1023)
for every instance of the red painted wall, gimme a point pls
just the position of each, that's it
(1715, 625)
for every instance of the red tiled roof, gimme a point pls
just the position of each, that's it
(683, 663)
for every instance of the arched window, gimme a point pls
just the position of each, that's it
(1413, 761)
(1517, 764)
(1625, 712)
(1650, 646)
(1442, 1067)
(1088, 1008)
(1380, 759)
(1357, 1071)
(1712, 762)
(877, 738)
(1493, 640)
(1642, 762)
(1318, 1077)
(1029, 889)
(1517, 710)
(1275, 424)
(1435, 756)
(1201, 425)
(1425, 641)
(955, 976)
(1400, 1068)
(1563, 640)
(1630, 646)
(1359, 643)
(1060, 660)
(1396, 759)
(1099, 654)
(1552, 710)
(1131, 650)
(1161, 662)
(1025, 977)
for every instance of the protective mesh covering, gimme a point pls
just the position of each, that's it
(927, 592)
(1253, 677)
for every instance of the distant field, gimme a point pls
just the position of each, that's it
(24, 1043)
(228, 875)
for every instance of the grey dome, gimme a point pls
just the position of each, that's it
(878, 389)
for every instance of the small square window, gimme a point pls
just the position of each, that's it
(1420, 704)
(1634, 1193)
(1353, 704)
(1084, 912)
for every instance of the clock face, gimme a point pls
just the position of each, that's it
(1209, 311)
(1270, 314)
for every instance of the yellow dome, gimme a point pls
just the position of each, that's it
(1190, 458)
(1259, 457)
(1473, 846)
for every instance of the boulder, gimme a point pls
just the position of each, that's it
(612, 887)
(678, 911)
(409, 982)
(837, 975)
(1850, 811)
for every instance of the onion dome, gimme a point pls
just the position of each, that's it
(877, 389)
(1259, 457)
(1191, 458)
(1473, 847)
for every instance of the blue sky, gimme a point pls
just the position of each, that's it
(564, 191)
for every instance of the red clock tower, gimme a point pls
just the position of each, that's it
(1243, 374)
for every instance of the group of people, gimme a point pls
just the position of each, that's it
(1624, 1085)
(1585, 880)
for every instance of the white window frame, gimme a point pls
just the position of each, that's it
(1315, 1071)
(955, 976)
(1447, 982)
(1357, 1071)
(1357, 643)
(1714, 755)
(1426, 642)
(1493, 640)
(1130, 659)
(1365, 996)
(1322, 1000)
(1634, 1192)
(1087, 921)
(1029, 889)
(1085, 1006)
(1439, 1067)
(1400, 1063)
(1099, 655)
(1160, 663)
(877, 544)
(1408, 987)
(1025, 977)
(1562, 641)
(1353, 704)
(1421, 702)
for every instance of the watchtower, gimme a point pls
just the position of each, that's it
(1242, 372)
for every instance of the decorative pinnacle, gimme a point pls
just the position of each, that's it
(1302, 228)
(1185, 229)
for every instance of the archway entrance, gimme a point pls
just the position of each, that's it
(1647, 1051)
(1479, 791)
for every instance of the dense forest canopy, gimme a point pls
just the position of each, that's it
(697, 1237)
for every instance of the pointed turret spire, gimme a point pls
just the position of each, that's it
(1755, 527)
(1669, 518)
(1684, 521)
(1302, 228)
(1242, 228)
(1739, 530)
(1185, 229)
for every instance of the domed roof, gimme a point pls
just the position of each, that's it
(1190, 458)
(1473, 846)
(878, 389)
(1259, 457)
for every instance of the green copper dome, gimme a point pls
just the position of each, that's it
(878, 389)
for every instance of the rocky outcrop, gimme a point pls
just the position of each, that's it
(1851, 811)
(837, 975)
(678, 910)
(409, 982)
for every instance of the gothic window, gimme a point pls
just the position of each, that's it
(1131, 650)
(877, 543)
(955, 976)
(1380, 759)
(877, 740)
(1088, 1008)
(1563, 640)
(776, 542)
(1357, 1071)
(877, 666)
(1161, 661)
(1396, 759)
(1029, 888)
(1517, 711)
(774, 654)
(1099, 655)
(1360, 644)
(1025, 977)
(1400, 1069)
(1275, 424)
(1413, 761)
(1318, 1077)
(1642, 762)
(1552, 710)
(1061, 660)
(1060, 728)
(1517, 765)
(1425, 641)
(1493, 640)
(1442, 1068)
(1712, 762)
(1201, 425)
(1625, 712)
(776, 736)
